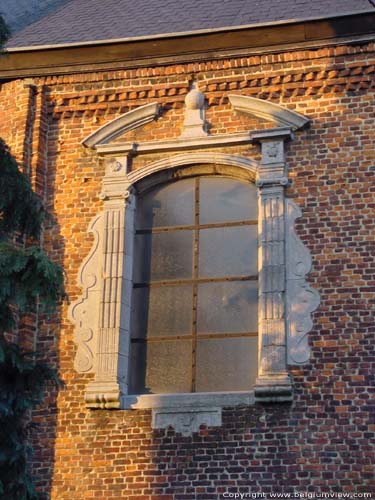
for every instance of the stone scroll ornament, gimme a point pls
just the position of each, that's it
(301, 298)
(84, 312)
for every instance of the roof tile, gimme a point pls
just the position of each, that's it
(89, 20)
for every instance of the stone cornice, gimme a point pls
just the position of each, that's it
(182, 143)
(283, 133)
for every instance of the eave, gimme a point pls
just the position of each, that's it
(186, 47)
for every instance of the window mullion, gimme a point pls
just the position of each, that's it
(195, 285)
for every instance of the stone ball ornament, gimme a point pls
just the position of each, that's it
(194, 99)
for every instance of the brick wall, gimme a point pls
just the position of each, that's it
(324, 440)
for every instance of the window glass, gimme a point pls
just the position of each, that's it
(163, 256)
(169, 205)
(160, 367)
(226, 200)
(228, 251)
(229, 306)
(230, 364)
(194, 304)
(162, 311)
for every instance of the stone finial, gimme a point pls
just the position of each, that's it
(194, 123)
(195, 98)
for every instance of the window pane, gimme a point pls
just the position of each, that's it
(228, 251)
(162, 310)
(163, 256)
(226, 364)
(225, 200)
(231, 306)
(158, 367)
(169, 205)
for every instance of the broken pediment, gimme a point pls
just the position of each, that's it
(191, 129)
(269, 111)
(125, 123)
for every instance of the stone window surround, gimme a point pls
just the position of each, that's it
(285, 299)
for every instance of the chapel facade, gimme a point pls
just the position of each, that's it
(212, 200)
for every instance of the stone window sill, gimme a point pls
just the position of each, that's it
(186, 412)
(188, 400)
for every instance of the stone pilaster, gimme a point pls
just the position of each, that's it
(110, 383)
(273, 382)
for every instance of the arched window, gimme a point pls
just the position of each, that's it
(184, 319)
(195, 287)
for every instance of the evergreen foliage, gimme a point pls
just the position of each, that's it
(27, 276)
(21, 210)
(4, 31)
(22, 381)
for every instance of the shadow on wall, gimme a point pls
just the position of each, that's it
(39, 151)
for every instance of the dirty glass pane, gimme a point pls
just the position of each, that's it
(158, 367)
(228, 251)
(162, 311)
(226, 364)
(163, 256)
(169, 205)
(230, 306)
(226, 200)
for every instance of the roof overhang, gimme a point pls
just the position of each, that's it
(186, 47)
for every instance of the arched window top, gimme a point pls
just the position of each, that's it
(193, 164)
(220, 199)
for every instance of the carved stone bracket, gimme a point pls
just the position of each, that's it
(115, 182)
(186, 421)
(84, 312)
(302, 299)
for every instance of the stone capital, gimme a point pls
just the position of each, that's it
(272, 170)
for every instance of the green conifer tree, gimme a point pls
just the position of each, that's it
(27, 275)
